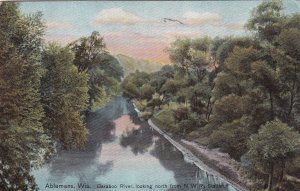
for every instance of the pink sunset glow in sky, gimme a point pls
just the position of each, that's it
(138, 28)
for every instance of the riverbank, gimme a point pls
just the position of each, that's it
(220, 162)
(211, 161)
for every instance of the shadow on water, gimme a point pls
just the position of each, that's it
(146, 140)
(83, 164)
(122, 149)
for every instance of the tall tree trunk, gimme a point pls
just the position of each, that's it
(208, 108)
(270, 182)
(291, 104)
(293, 92)
(272, 105)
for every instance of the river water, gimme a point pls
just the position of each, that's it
(124, 154)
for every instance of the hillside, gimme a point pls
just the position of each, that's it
(130, 64)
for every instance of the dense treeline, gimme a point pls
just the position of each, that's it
(239, 94)
(45, 90)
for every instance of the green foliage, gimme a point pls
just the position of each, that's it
(232, 107)
(191, 55)
(289, 42)
(200, 100)
(232, 137)
(239, 61)
(133, 85)
(64, 92)
(190, 124)
(275, 142)
(102, 98)
(130, 90)
(141, 104)
(146, 91)
(146, 115)
(181, 114)
(179, 52)
(165, 120)
(23, 142)
(88, 50)
(266, 19)
(226, 46)
(111, 66)
(156, 101)
(169, 87)
(230, 87)
(42, 94)
(105, 72)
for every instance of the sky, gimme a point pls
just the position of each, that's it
(137, 28)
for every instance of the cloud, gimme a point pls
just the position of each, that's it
(235, 26)
(151, 46)
(196, 18)
(55, 25)
(116, 16)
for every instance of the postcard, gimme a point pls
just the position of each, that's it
(150, 95)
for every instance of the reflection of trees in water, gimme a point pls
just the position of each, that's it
(84, 164)
(139, 140)
(184, 173)
(172, 159)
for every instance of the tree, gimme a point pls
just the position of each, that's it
(267, 78)
(191, 55)
(200, 100)
(232, 137)
(131, 85)
(64, 96)
(275, 142)
(147, 91)
(104, 70)
(179, 53)
(130, 90)
(181, 114)
(160, 77)
(288, 58)
(170, 86)
(87, 51)
(23, 143)
(222, 49)
(266, 20)
(235, 82)
(232, 107)
(156, 101)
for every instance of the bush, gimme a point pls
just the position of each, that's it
(232, 137)
(141, 104)
(181, 114)
(165, 120)
(146, 91)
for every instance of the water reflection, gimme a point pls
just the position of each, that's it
(121, 149)
(139, 140)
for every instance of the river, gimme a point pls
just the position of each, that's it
(125, 154)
